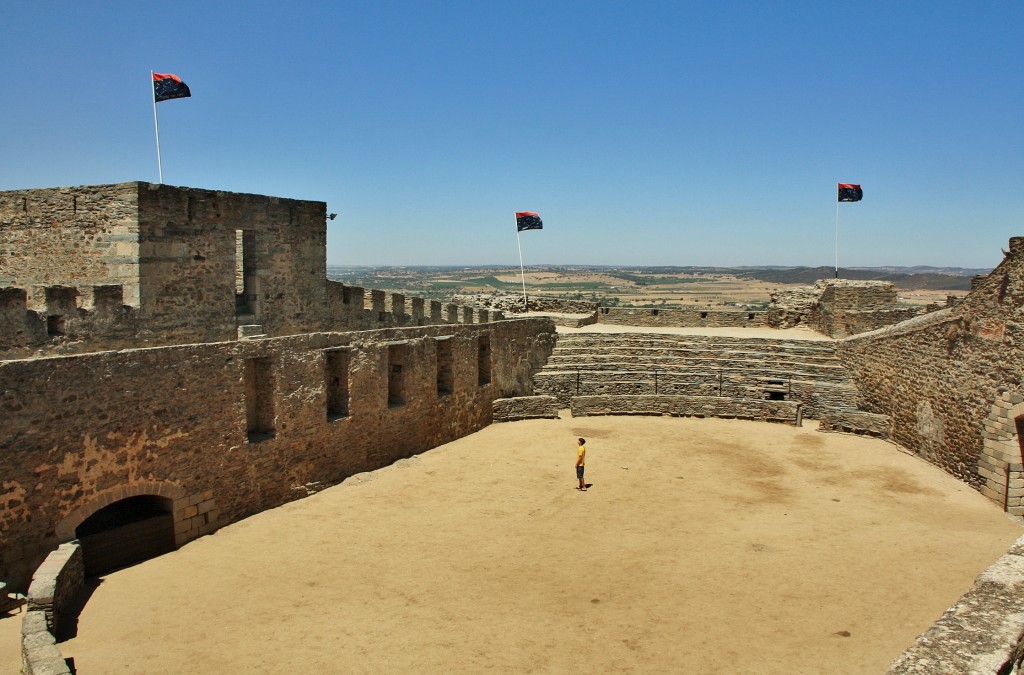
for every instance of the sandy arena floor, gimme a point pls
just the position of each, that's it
(703, 546)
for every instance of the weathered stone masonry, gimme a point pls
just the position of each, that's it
(82, 431)
(236, 388)
(952, 382)
(135, 264)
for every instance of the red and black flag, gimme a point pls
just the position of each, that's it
(168, 86)
(527, 220)
(848, 192)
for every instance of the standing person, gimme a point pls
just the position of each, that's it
(581, 456)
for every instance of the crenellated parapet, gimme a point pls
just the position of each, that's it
(61, 318)
(356, 308)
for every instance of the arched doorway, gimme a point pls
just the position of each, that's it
(126, 532)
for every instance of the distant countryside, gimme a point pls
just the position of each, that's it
(712, 287)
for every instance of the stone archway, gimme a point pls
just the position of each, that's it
(125, 533)
(1001, 463)
(124, 526)
(67, 526)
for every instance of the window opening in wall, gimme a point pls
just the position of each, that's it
(484, 360)
(55, 325)
(654, 312)
(346, 295)
(445, 374)
(703, 315)
(396, 377)
(604, 310)
(750, 316)
(245, 272)
(259, 399)
(775, 390)
(336, 373)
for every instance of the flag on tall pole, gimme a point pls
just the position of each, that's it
(165, 87)
(525, 220)
(846, 192)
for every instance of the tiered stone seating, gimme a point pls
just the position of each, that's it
(595, 364)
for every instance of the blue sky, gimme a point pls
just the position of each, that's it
(644, 133)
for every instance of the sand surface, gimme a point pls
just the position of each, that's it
(702, 546)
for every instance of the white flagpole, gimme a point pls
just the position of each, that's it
(156, 125)
(837, 238)
(522, 269)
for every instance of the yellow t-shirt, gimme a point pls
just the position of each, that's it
(581, 455)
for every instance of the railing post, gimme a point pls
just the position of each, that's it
(655, 381)
(719, 382)
(577, 381)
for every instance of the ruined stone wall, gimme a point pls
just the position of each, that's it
(512, 303)
(940, 376)
(848, 307)
(839, 307)
(678, 317)
(229, 429)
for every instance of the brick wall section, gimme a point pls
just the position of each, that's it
(786, 412)
(938, 376)
(120, 423)
(525, 408)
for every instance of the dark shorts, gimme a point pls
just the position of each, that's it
(579, 472)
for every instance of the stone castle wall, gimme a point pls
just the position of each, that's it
(226, 430)
(950, 381)
(77, 237)
(138, 264)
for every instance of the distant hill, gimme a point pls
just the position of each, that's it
(808, 275)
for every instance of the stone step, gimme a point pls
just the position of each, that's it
(767, 369)
(669, 361)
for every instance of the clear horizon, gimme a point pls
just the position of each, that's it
(647, 134)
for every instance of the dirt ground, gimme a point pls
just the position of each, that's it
(702, 546)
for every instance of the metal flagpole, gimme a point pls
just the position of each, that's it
(156, 125)
(522, 270)
(837, 239)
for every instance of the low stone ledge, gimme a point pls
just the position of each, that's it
(856, 422)
(982, 633)
(54, 585)
(525, 408)
(40, 654)
(785, 412)
(56, 582)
